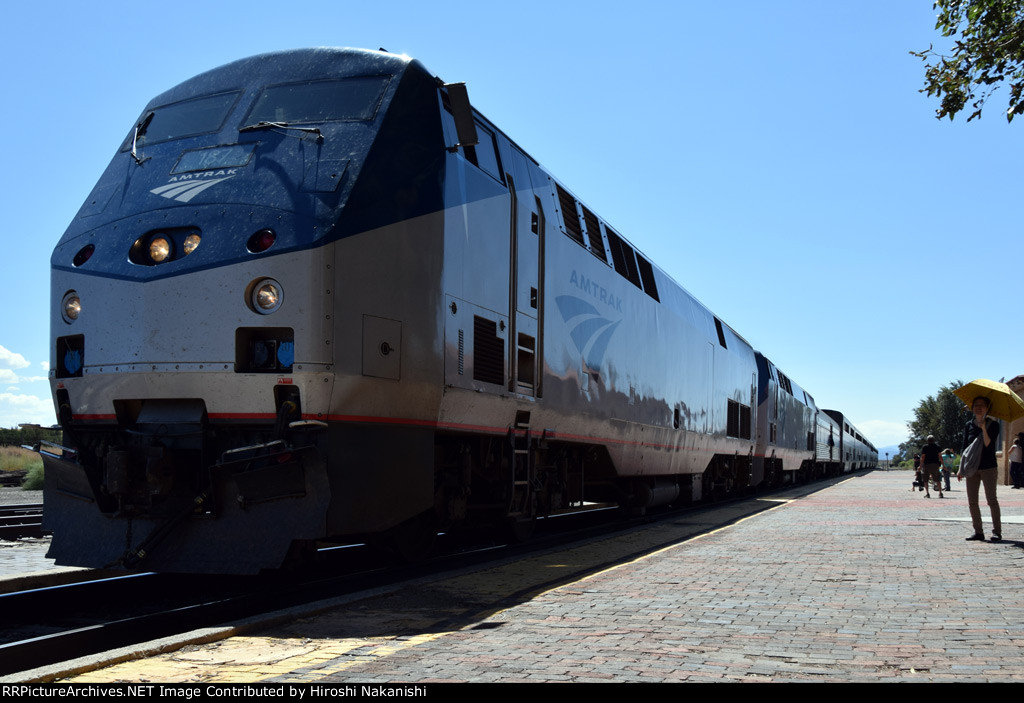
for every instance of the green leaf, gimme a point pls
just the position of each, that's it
(987, 49)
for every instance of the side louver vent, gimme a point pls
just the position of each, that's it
(594, 235)
(571, 218)
(488, 352)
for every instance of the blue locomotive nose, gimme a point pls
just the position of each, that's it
(192, 355)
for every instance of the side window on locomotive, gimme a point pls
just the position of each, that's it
(485, 153)
(344, 100)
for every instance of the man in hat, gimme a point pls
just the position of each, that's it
(930, 462)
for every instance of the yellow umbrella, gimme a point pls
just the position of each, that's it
(1005, 404)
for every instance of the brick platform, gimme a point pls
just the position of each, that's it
(860, 581)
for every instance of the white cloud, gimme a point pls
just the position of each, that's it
(8, 376)
(16, 408)
(45, 365)
(12, 359)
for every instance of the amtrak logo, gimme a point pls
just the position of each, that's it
(185, 191)
(590, 332)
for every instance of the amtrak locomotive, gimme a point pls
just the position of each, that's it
(316, 295)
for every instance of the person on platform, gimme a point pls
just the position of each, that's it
(947, 465)
(930, 463)
(986, 430)
(1017, 464)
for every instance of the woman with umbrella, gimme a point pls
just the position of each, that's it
(986, 398)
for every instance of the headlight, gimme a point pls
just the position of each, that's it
(267, 296)
(70, 307)
(159, 249)
(191, 242)
(163, 246)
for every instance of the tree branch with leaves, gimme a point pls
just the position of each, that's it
(943, 415)
(988, 50)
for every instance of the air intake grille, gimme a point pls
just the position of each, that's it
(570, 217)
(594, 234)
(488, 352)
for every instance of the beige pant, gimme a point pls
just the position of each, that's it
(989, 477)
(930, 474)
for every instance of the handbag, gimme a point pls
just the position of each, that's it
(971, 457)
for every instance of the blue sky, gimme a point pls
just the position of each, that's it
(775, 158)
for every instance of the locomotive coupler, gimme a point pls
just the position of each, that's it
(138, 475)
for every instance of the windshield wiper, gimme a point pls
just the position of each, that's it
(263, 124)
(140, 129)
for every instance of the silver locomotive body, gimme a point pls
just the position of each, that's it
(855, 452)
(785, 425)
(276, 324)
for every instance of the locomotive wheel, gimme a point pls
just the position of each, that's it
(633, 510)
(413, 540)
(301, 554)
(707, 488)
(518, 529)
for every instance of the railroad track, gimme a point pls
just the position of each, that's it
(12, 479)
(45, 626)
(50, 625)
(21, 521)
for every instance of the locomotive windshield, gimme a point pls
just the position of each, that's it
(185, 119)
(346, 100)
